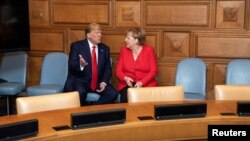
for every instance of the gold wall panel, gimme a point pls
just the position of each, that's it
(127, 13)
(230, 14)
(176, 44)
(223, 45)
(177, 14)
(48, 40)
(39, 13)
(79, 12)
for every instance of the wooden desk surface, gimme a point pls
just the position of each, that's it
(133, 129)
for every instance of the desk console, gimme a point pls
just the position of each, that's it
(98, 118)
(18, 130)
(173, 111)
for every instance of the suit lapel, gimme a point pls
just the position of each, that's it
(100, 56)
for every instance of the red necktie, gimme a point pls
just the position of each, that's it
(94, 69)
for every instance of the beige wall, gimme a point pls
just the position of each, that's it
(214, 30)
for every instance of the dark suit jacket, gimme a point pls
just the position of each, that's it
(104, 64)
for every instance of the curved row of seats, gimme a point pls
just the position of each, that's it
(144, 94)
(190, 74)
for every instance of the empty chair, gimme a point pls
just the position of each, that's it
(13, 68)
(47, 102)
(232, 92)
(53, 75)
(152, 94)
(191, 74)
(238, 72)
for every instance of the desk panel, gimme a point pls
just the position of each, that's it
(133, 128)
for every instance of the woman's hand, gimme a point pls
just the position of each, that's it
(129, 81)
(138, 84)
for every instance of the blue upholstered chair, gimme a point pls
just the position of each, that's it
(191, 73)
(13, 68)
(92, 97)
(53, 75)
(238, 72)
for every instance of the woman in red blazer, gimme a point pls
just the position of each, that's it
(137, 64)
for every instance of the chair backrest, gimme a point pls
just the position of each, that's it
(13, 67)
(238, 72)
(47, 102)
(232, 92)
(191, 73)
(151, 94)
(54, 68)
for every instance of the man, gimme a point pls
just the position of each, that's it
(90, 67)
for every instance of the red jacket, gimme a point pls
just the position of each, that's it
(143, 69)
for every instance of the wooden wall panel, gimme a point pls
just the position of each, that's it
(48, 40)
(115, 40)
(127, 14)
(34, 73)
(74, 35)
(247, 15)
(80, 12)
(39, 13)
(219, 72)
(118, 39)
(176, 44)
(233, 45)
(230, 14)
(153, 39)
(166, 74)
(216, 31)
(195, 14)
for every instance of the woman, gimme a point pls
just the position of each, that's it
(137, 64)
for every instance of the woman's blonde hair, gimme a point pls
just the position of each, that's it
(139, 34)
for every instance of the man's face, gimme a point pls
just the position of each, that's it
(95, 36)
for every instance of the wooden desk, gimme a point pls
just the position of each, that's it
(133, 129)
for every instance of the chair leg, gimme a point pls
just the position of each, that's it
(7, 105)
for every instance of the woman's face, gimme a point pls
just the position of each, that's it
(130, 40)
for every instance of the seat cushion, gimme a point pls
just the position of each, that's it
(11, 88)
(44, 89)
(92, 97)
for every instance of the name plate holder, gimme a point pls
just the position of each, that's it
(98, 118)
(243, 108)
(176, 111)
(19, 130)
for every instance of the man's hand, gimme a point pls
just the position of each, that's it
(82, 61)
(102, 87)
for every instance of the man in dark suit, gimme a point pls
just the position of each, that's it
(82, 76)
